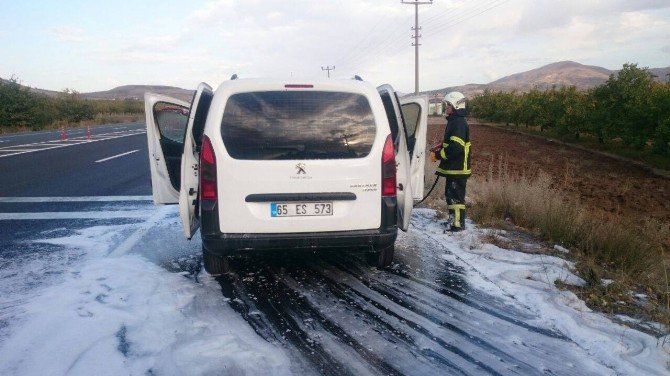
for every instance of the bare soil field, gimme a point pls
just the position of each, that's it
(598, 182)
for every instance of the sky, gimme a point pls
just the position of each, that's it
(97, 45)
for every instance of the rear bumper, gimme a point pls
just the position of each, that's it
(224, 244)
(231, 244)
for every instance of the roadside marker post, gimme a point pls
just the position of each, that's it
(88, 133)
(63, 134)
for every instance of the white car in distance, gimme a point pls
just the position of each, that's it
(268, 165)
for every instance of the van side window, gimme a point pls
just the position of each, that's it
(411, 114)
(390, 114)
(172, 121)
(200, 116)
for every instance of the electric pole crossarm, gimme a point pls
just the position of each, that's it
(328, 68)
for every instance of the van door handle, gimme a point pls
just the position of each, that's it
(400, 187)
(192, 191)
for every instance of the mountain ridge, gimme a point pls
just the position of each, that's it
(561, 73)
(557, 74)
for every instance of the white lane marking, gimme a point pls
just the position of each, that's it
(75, 199)
(80, 138)
(100, 127)
(117, 156)
(46, 147)
(16, 150)
(51, 146)
(74, 215)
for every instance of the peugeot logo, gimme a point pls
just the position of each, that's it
(301, 168)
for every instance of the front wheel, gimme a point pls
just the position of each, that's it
(215, 265)
(382, 257)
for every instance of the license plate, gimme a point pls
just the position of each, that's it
(300, 209)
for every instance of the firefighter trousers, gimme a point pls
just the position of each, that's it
(454, 191)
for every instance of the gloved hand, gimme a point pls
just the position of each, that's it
(433, 157)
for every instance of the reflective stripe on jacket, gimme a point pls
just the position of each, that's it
(456, 148)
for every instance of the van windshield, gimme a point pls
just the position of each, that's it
(279, 125)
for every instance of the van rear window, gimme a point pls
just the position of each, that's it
(279, 125)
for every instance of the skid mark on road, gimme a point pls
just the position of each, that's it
(341, 316)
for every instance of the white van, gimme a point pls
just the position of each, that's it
(271, 165)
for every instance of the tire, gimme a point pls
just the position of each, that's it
(215, 265)
(382, 257)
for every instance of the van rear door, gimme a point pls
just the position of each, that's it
(188, 192)
(402, 157)
(166, 120)
(415, 114)
(299, 159)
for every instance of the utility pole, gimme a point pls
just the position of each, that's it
(416, 37)
(328, 68)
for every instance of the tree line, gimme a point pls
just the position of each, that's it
(21, 108)
(630, 107)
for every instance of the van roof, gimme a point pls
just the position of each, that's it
(265, 84)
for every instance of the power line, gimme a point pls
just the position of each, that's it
(463, 19)
(464, 16)
(454, 11)
(354, 50)
(373, 48)
(457, 17)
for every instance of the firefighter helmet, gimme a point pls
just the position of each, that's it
(455, 99)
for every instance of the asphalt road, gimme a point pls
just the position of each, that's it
(40, 164)
(68, 204)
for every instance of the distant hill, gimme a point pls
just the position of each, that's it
(661, 73)
(137, 92)
(124, 92)
(49, 93)
(563, 73)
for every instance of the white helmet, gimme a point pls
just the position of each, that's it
(456, 99)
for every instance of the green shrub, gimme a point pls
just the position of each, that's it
(630, 108)
(22, 109)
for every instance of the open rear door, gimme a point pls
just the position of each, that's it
(188, 193)
(166, 120)
(402, 158)
(415, 113)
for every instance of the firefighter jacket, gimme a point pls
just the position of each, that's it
(455, 153)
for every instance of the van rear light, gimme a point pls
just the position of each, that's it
(207, 171)
(388, 168)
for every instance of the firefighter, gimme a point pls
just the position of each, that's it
(454, 157)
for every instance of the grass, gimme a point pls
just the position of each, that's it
(631, 252)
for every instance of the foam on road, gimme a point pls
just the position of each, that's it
(133, 299)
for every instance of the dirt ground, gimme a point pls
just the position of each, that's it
(596, 181)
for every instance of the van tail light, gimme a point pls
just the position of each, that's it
(388, 168)
(207, 171)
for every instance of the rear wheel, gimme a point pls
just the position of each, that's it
(382, 257)
(215, 265)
